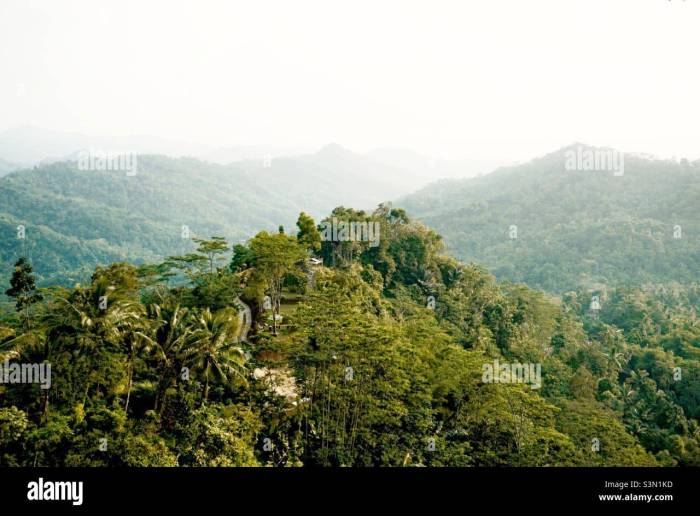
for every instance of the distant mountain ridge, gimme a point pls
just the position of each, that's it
(28, 146)
(572, 228)
(76, 219)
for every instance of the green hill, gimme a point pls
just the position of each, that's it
(388, 355)
(76, 219)
(574, 227)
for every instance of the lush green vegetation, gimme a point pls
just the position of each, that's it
(574, 228)
(77, 219)
(346, 363)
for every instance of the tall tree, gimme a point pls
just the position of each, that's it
(241, 259)
(212, 347)
(23, 289)
(212, 249)
(308, 235)
(171, 336)
(274, 257)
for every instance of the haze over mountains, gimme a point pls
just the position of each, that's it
(75, 218)
(574, 228)
(26, 146)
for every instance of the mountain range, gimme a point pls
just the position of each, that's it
(558, 229)
(74, 219)
(537, 223)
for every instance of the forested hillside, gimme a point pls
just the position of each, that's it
(572, 227)
(377, 356)
(76, 219)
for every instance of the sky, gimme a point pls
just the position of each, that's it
(481, 79)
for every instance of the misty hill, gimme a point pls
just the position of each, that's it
(574, 227)
(28, 146)
(76, 219)
(226, 155)
(6, 167)
(430, 168)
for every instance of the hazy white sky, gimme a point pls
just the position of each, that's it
(465, 78)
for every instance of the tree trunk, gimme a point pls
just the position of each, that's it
(274, 313)
(45, 406)
(206, 387)
(128, 388)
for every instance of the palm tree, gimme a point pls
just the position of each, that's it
(212, 346)
(33, 346)
(86, 319)
(132, 332)
(68, 321)
(82, 321)
(172, 331)
(615, 351)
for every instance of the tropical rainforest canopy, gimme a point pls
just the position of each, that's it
(291, 350)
